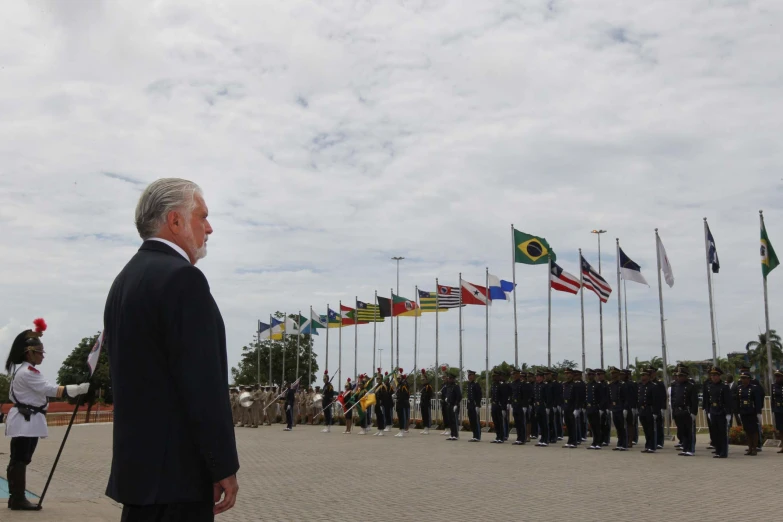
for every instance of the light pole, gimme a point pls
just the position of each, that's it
(398, 259)
(600, 304)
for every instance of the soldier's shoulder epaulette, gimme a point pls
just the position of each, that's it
(33, 369)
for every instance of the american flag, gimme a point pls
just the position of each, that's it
(563, 281)
(593, 281)
(448, 297)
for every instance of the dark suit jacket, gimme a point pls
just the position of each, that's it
(173, 431)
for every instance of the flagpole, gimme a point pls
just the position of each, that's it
(437, 320)
(391, 332)
(460, 329)
(598, 233)
(549, 316)
(486, 340)
(326, 365)
(415, 346)
(582, 305)
(374, 329)
(258, 352)
(285, 328)
(660, 301)
(619, 308)
(298, 339)
(766, 312)
(709, 292)
(310, 351)
(355, 338)
(625, 305)
(270, 349)
(513, 280)
(339, 344)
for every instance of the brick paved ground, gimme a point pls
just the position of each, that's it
(307, 475)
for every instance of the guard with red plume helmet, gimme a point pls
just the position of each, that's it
(26, 421)
(327, 401)
(426, 403)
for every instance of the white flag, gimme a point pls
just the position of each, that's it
(95, 354)
(665, 265)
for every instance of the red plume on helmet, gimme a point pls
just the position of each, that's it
(444, 367)
(424, 372)
(326, 372)
(40, 325)
(379, 370)
(399, 370)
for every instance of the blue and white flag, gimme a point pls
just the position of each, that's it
(498, 289)
(630, 271)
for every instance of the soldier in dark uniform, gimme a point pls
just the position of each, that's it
(606, 420)
(474, 404)
(717, 403)
(662, 400)
(760, 398)
(328, 399)
(569, 407)
(649, 410)
(542, 403)
(403, 405)
(527, 401)
(388, 405)
(496, 402)
(290, 398)
(705, 399)
(381, 391)
(444, 391)
(618, 404)
(593, 400)
(506, 405)
(631, 406)
(426, 403)
(579, 392)
(776, 402)
(517, 407)
(685, 406)
(750, 411)
(453, 401)
(555, 419)
(531, 417)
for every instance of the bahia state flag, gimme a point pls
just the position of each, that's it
(532, 250)
(630, 270)
(562, 281)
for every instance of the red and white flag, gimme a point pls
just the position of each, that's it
(95, 353)
(592, 280)
(474, 295)
(562, 281)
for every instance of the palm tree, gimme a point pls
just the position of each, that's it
(637, 367)
(757, 353)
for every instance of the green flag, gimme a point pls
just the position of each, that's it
(532, 250)
(768, 258)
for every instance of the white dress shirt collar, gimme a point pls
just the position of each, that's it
(172, 245)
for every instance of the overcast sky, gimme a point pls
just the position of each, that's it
(329, 136)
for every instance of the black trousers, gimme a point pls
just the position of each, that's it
(552, 425)
(22, 449)
(533, 421)
(543, 424)
(659, 434)
(454, 418)
(289, 417)
(498, 421)
(606, 428)
(619, 425)
(185, 512)
(559, 422)
(473, 419)
(649, 427)
(632, 427)
(584, 426)
(720, 434)
(594, 418)
(328, 415)
(380, 418)
(519, 422)
(573, 431)
(444, 408)
(426, 415)
(750, 424)
(685, 430)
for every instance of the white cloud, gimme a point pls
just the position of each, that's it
(330, 136)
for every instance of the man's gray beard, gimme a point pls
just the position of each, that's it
(197, 253)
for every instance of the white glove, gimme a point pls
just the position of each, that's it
(455, 409)
(635, 411)
(576, 414)
(74, 390)
(693, 417)
(287, 408)
(524, 410)
(655, 417)
(601, 413)
(547, 411)
(625, 413)
(728, 418)
(757, 416)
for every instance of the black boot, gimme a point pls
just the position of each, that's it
(17, 482)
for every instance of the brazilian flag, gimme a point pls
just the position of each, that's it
(532, 250)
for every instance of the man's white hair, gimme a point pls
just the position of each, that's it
(161, 197)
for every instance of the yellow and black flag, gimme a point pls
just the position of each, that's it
(532, 250)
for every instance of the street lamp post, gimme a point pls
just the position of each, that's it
(600, 304)
(397, 326)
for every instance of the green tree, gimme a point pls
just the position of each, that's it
(757, 354)
(74, 370)
(5, 383)
(247, 370)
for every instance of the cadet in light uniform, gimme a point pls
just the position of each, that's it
(685, 406)
(518, 407)
(593, 401)
(750, 410)
(234, 398)
(776, 402)
(454, 400)
(542, 403)
(26, 421)
(255, 408)
(425, 403)
(474, 404)
(618, 402)
(719, 410)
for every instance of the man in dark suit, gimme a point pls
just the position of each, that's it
(173, 459)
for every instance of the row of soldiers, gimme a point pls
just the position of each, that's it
(268, 403)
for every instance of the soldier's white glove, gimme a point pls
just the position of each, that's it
(635, 411)
(74, 390)
(655, 417)
(693, 417)
(625, 413)
(547, 411)
(601, 413)
(524, 410)
(287, 408)
(757, 416)
(728, 418)
(455, 409)
(576, 414)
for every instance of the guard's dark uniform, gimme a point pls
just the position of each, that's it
(717, 403)
(685, 406)
(498, 401)
(580, 393)
(593, 402)
(328, 394)
(444, 407)
(542, 403)
(776, 402)
(290, 398)
(570, 406)
(649, 409)
(631, 405)
(660, 389)
(527, 401)
(403, 405)
(749, 407)
(606, 421)
(380, 399)
(555, 416)
(518, 409)
(454, 400)
(426, 405)
(474, 403)
(617, 405)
